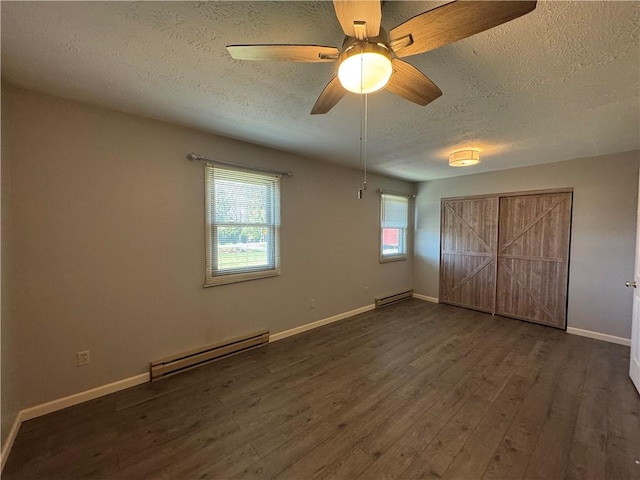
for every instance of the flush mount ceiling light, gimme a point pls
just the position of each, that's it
(365, 68)
(464, 158)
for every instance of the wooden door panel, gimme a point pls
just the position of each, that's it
(469, 281)
(535, 225)
(529, 290)
(533, 257)
(469, 236)
(470, 225)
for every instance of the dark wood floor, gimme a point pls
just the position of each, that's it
(416, 390)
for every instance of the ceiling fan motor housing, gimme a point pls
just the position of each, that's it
(382, 38)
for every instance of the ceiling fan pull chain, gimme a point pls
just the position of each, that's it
(364, 148)
(363, 132)
(361, 189)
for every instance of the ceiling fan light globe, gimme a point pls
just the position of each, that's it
(374, 67)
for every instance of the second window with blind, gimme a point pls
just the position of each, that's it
(394, 223)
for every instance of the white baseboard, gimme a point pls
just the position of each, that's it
(76, 398)
(64, 402)
(13, 433)
(600, 336)
(425, 298)
(319, 323)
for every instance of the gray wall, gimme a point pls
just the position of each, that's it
(603, 231)
(10, 406)
(107, 222)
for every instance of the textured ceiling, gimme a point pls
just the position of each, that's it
(561, 82)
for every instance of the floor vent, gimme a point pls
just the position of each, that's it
(193, 358)
(384, 301)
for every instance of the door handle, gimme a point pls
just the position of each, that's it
(631, 284)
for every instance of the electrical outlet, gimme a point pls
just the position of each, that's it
(83, 358)
(312, 303)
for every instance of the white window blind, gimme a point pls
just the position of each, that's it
(242, 225)
(394, 221)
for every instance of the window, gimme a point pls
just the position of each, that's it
(242, 225)
(394, 219)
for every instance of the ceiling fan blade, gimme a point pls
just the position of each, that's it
(452, 22)
(291, 53)
(410, 83)
(358, 11)
(331, 95)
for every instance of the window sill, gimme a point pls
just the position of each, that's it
(394, 258)
(239, 277)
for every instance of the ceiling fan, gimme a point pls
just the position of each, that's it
(370, 59)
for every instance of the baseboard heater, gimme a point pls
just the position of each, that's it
(193, 358)
(391, 299)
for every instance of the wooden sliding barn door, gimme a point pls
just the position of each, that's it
(533, 257)
(468, 241)
(507, 254)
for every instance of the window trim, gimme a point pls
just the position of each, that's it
(239, 275)
(399, 257)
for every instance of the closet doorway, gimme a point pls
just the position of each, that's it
(508, 254)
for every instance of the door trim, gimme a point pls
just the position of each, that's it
(512, 194)
(634, 357)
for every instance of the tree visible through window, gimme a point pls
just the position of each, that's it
(243, 210)
(394, 220)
